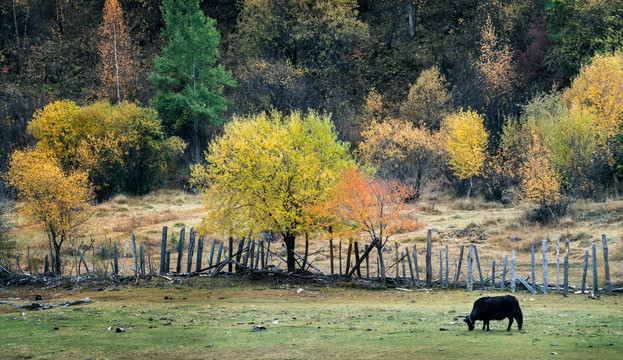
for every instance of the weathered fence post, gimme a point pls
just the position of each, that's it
(46, 267)
(441, 269)
(357, 258)
(220, 252)
(142, 252)
(133, 255)
(417, 272)
(532, 264)
(584, 271)
(606, 265)
(191, 250)
(168, 261)
(262, 263)
(565, 286)
(595, 282)
(231, 254)
(458, 268)
(367, 263)
(410, 267)
(199, 253)
(493, 275)
(250, 248)
(470, 269)
(557, 264)
(257, 255)
(239, 253)
(115, 261)
(211, 253)
(504, 273)
(397, 270)
(482, 281)
(447, 268)
(404, 270)
(429, 265)
(348, 252)
(513, 262)
(544, 246)
(163, 250)
(331, 255)
(180, 251)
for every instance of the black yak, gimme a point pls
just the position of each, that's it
(495, 308)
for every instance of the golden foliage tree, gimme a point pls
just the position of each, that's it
(428, 101)
(264, 169)
(540, 183)
(401, 151)
(598, 89)
(60, 202)
(497, 71)
(464, 139)
(364, 204)
(115, 68)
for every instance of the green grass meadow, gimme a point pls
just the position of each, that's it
(214, 318)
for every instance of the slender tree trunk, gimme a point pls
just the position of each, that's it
(471, 184)
(57, 255)
(289, 239)
(114, 40)
(18, 49)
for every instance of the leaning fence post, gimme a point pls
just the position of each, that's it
(606, 265)
(367, 262)
(180, 249)
(584, 271)
(458, 268)
(133, 255)
(504, 273)
(565, 286)
(544, 245)
(357, 258)
(417, 272)
(513, 271)
(220, 252)
(482, 281)
(470, 269)
(595, 282)
(429, 265)
(211, 253)
(532, 264)
(191, 250)
(410, 266)
(163, 250)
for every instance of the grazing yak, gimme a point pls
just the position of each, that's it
(495, 308)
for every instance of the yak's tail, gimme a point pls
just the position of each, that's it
(519, 317)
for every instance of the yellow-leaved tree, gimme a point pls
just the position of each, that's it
(540, 183)
(264, 169)
(60, 202)
(598, 89)
(464, 139)
(401, 151)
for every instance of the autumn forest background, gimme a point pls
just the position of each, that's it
(510, 102)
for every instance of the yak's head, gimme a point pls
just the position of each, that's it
(469, 322)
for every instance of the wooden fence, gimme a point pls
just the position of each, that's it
(403, 263)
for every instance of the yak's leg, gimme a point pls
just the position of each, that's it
(485, 323)
(510, 323)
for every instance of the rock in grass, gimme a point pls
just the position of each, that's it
(120, 330)
(259, 328)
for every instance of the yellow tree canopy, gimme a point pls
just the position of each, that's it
(599, 90)
(540, 183)
(263, 170)
(60, 202)
(464, 138)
